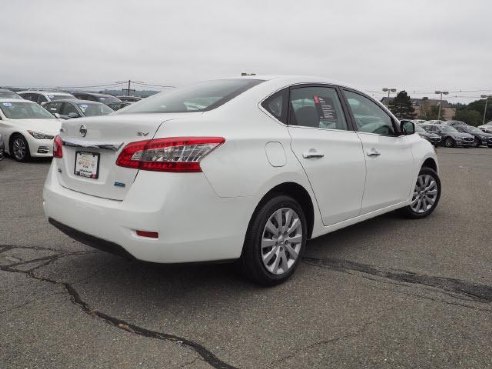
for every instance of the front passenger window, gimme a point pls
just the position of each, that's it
(369, 117)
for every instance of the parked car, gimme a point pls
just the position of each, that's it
(433, 138)
(435, 121)
(67, 109)
(245, 168)
(450, 137)
(43, 97)
(27, 129)
(419, 121)
(481, 138)
(7, 94)
(2, 148)
(487, 127)
(111, 101)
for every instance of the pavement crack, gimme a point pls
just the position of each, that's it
(76, 299)
(474, 291)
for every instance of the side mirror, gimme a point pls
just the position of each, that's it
(407, 127)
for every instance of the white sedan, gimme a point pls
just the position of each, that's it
(27, 129)
(246, 169)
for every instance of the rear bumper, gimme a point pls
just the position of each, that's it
(193, 223)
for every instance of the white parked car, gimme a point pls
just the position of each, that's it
(231, 169)
(27, 129)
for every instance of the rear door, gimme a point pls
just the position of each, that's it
(328, 149)
(388, 154)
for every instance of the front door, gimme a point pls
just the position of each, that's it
(388, 154)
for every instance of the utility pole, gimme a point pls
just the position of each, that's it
(127, 91)
(440, 102)
(486, 97)
(389, 90)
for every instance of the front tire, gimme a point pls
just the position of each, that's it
(19, 148)
(275, 241)
(426, 195)
(477, 142)
(449, 142)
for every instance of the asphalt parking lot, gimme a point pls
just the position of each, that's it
(387, 293)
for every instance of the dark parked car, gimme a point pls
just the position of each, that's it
(7, 94)
(450, 137)
(2, 148)
(433, 138)
(67, 109)
(42, 97)
(456, 123)
(481, 138)
(111, 101)
(129, 99)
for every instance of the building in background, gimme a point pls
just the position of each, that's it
(427, 109)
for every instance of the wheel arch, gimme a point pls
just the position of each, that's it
(298, 193)
(430, 163)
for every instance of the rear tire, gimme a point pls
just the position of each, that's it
(19, 148)
(477, 142)
(426, 195)
(275, 241)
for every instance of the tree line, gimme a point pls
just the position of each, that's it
(401, 106)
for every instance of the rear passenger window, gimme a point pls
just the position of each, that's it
(317, 107)
(276, 105)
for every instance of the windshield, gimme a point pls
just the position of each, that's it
(199, 97)
(448, 129)
(475, 130)
(24, 110)
(60, 97)
(91, 110)
(419, 129)
(108, 99)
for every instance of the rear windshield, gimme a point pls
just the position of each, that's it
(24, 110)
(91, 110)
(199, 97)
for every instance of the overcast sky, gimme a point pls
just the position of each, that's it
(418, 45)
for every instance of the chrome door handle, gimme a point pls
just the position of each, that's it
(373, 152)
(312, 153)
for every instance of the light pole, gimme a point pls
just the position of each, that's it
(486, 97)
(388, 90)
(440, 102)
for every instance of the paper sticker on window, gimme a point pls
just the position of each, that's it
(325, 108)
(83, 107)
(7, 104)
(51, 96)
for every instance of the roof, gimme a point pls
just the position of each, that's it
(45, 92)
(75, 100)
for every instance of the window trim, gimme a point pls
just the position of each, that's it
(394, 121)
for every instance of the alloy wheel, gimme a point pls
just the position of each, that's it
(425, 194)
(281, 241)
(19, 148)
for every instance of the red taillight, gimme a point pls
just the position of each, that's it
(148, 234)
(174, 154)
(57, 147)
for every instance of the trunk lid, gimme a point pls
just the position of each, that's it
(92, 145)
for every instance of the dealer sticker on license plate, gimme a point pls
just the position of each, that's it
(86, 164)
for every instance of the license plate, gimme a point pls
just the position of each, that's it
(86, 164)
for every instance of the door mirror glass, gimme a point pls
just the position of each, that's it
(407, 127)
